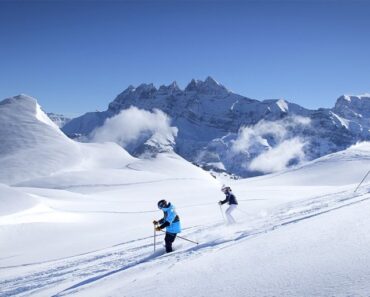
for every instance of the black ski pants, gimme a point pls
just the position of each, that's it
(169, 239)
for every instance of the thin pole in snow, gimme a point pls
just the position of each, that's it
(222, 213)
(184, 238)
(361, 181)
(155, 238)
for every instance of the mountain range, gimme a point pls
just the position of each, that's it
(220, 130)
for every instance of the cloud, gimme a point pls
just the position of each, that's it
(273, 142)
(279, 157)
(275, 131)
(135, 125)
(247, 137)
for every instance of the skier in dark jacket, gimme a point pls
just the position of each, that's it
(170, 221)
(231, 200)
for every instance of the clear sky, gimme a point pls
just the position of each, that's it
(76, 56)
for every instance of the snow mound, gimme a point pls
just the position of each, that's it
(342, 168)
(33, 146)
(92, 174)
(13, 201)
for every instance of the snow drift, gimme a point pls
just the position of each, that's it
(33, 146)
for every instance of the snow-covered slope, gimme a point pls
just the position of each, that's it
(325, 256)
(341, 168)
(33, 146)
(223, 131)
(14, 201)
(302, 232)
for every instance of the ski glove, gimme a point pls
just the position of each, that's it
(219, 202)
(158, 228)
(155, 222)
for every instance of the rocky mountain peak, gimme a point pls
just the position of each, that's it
(146, 87)
(211, 82)
(173, 87)
(209, 86)
(353, 106)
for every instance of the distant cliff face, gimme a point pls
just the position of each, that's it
(59, 119)
(224, 131)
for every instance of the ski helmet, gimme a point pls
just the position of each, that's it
(162, 203)
(225, 189)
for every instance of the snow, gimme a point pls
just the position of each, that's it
(84, 227)
(347, 97)
(329, 170)
(342, 121)
(361, 96)
(42, 117)
(322, 257)
(13, 201)
(233, 105)
(33, 146)
(283, 105)
(39, 214)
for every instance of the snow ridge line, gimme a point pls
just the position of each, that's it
(109, 185)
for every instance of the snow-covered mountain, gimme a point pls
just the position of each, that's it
(28, 136)
(223, 131)
(32, 145)
(59, 119)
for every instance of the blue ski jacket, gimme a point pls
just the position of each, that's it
(170, 220)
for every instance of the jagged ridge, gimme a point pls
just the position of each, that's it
(209, 118)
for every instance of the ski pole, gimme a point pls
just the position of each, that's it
(155, 238)
(222, 213)
(184, 238)
(362, 181)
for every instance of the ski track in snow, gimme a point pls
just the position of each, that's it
(113, 185)
(68, 275)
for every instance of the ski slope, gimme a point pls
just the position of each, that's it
(84, 227)
(96, 240)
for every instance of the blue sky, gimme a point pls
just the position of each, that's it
(76, 56)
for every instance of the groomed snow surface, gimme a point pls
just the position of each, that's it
(82, 225)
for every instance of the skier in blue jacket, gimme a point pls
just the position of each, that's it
(170, 221)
